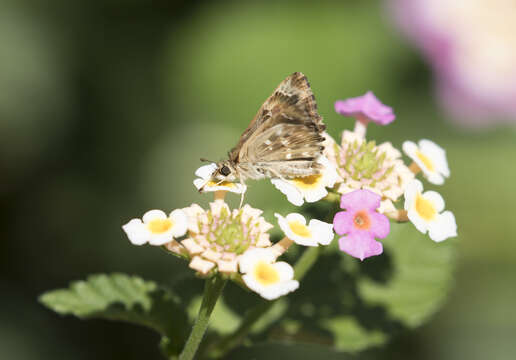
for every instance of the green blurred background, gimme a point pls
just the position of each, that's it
(107, 106)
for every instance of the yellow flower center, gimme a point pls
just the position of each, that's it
(425, 160)
(223, 183)
(159, 226)
(265, 273)
(299, 229)
(425, 208)
(307, 182)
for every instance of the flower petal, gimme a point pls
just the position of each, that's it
(367, 106)
(343, 222)
(296, 217)
(314, 195)
(360, 199)
(434, 178)
(161, 239)
(380, 225)
(153, 215)
(136, 232)
(360, 245)
(436, 199)
(180, 222)
(206, 171)
(413, 189)
(323, 232)
(443, 228)
(285, 270)
(437, 154)
(410, 148)
(292, 193)
(247, 260)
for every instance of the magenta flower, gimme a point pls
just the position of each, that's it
(361, 224)
(366, 108)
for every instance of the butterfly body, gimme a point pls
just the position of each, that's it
(284, 139)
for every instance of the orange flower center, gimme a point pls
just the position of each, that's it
(362, 220)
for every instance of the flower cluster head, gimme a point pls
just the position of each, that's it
(234, 243)
(361, 224)
(364, 165)
(217, 237)
(425, 211)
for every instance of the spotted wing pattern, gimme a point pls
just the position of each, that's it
(285, 137)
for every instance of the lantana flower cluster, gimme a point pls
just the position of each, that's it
(233, 243)
(375, 178)
(368, 180)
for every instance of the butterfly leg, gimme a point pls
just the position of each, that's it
(242, 195)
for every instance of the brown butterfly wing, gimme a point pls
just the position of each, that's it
(285, 135)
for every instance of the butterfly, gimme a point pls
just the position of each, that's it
(284, 140)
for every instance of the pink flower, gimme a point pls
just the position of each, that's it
(471, 48)
(361, 224)
(366, 108)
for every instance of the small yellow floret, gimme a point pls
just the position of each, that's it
(425, 208)
(308, 182)
(426, 160)
(265, 273)
(159, 226)
(299, 229)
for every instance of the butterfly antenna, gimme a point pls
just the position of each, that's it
(206, 160)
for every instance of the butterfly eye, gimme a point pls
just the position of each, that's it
(225, 170)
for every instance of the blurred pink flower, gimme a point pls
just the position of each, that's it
(366, 108)
(361, 224)
(471, 46)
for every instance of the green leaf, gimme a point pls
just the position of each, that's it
(351, 336)
(126, 298)
(421, 277)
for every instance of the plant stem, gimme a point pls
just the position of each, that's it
(302, 266)
(212, 290)
(306, 261)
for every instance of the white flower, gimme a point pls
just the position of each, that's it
(310, 188)
(205, 182)
(430, 158)
(263, 275)
(295, 228)
(156, 228)
(424, 211)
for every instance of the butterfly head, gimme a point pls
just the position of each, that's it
(225, 172)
